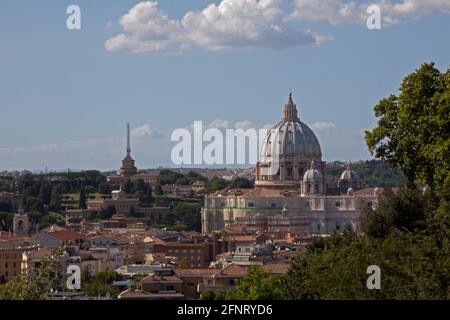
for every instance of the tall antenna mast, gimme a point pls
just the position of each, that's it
(128, 140)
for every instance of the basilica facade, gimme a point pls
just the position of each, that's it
(291, 193)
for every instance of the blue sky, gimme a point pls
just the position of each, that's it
(65, 96)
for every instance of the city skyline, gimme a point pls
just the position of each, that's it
(69, 110)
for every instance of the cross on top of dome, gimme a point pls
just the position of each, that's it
(290, 110)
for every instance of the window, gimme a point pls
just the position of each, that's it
(307, 204)
(338, 204)
(369, 204)
(231, 282)
(289, 171)
(251, 204)
(170, 288)
(273, 205)
(318, 227)
(198, 250)
(338, 227)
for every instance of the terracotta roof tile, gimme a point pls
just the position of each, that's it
(244, 238)
(276, 268)
(158, 278)
(195, 272)
(233, 270)
(66, 235)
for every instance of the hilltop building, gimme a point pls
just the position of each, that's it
(119, 200)
(128, 170)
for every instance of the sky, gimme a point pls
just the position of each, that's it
(66, 95)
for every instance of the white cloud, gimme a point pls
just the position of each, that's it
(246, 124)
(219, 124)
(230, 24)
(341, 12)
(146, 131)
(268, 126)
(322, 125)
(103, 153)
(253, 23)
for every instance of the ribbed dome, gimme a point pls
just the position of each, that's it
(294, 138)
(349, 173)
(312, 174)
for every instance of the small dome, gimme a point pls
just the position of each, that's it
(312, 174)
(349, 173)
(377, 191)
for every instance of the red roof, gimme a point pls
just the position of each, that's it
(157, 278)
(195, 272)
(66, 235)
(233, 270)
(244, 238)
(276, 268)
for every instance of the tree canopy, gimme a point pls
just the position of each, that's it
(413, 130)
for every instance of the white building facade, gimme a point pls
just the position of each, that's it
(293, 195)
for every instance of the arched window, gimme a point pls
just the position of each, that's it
(289, 171)
(20, 226)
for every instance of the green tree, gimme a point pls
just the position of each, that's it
(56, 197)
(158, 190)
(215, 184)
(82, 198)
(259, 285)
(405, 211)
(216, 295)
(413, 130)
(101, 284)
(241, 182)
(33, 286)
(169, 177)
(107, 213)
